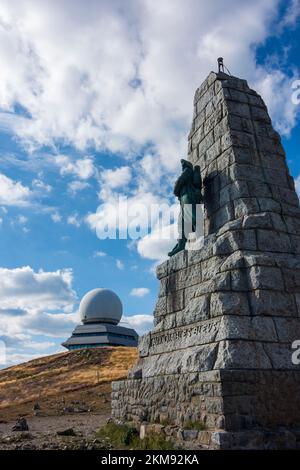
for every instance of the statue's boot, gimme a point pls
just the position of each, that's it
(178, 247)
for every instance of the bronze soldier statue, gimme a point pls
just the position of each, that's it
(188, 190)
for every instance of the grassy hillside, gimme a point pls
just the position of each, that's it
(73, 379)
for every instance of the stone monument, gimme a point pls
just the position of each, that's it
(227, 314)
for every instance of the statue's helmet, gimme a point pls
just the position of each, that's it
(186, 164)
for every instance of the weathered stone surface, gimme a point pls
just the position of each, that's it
(229, 303)
(265, 302)
(270, 240)
(144, 345)
(196, 309)
(236, 240)
(264, 277)
(193, 359)
(288, 329)
(242, 355)
(252, 328)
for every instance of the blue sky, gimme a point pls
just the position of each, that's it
(96, 102)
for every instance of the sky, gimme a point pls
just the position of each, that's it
(96, 101)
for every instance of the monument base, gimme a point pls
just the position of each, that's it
(231, 400)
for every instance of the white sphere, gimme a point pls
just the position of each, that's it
(101, 305)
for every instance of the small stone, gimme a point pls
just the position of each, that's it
(190, 434)
(21, 425)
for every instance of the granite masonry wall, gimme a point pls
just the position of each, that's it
(227, 314)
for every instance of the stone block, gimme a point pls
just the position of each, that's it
(287, 196)
(225, 160)
(260, 114)
(259, 220)
(144, 344)
(210, 267)
(175, 301)
(177, 262)
(147, 428)
(204, 438)
(197, 136)
(237, 108)
(280, 356)
(232, 226)
(240, 280)
(292, 224)
(228, 303)
(277, 178)
(240, 354)
(160, 307)
(237, 240)
(265, 302)
(259, 190)
(162, 270)
(270, 240)
(233, 261)
(223, 215)
(269, 205)
(220, 128)
(292, 280)
(246, 172)
(245, 206)
(213, 152)
(205, 144)
(196, 309)
(221, 440)
(288, 329)
(264, 277)
(273, 161)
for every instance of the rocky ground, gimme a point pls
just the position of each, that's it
(47, 432)
(67, 391)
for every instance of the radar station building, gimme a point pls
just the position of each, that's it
(100, 312)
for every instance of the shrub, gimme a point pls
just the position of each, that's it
(196, 425)
(118, 435)
(124, 436)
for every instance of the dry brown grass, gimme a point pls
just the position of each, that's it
(83, 375)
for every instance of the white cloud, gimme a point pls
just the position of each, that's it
(117, 178)
(117, 78)
(139, 291)
(291, 15)
(13, 193)
(141, 323)
(119, 264)
(22, 219)
(83, 168)
(24, 288)
(56, 217)
(99, 254)
(41, 187)
(158, 243)
(74, 220)
(35, 303)
(76, 186)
